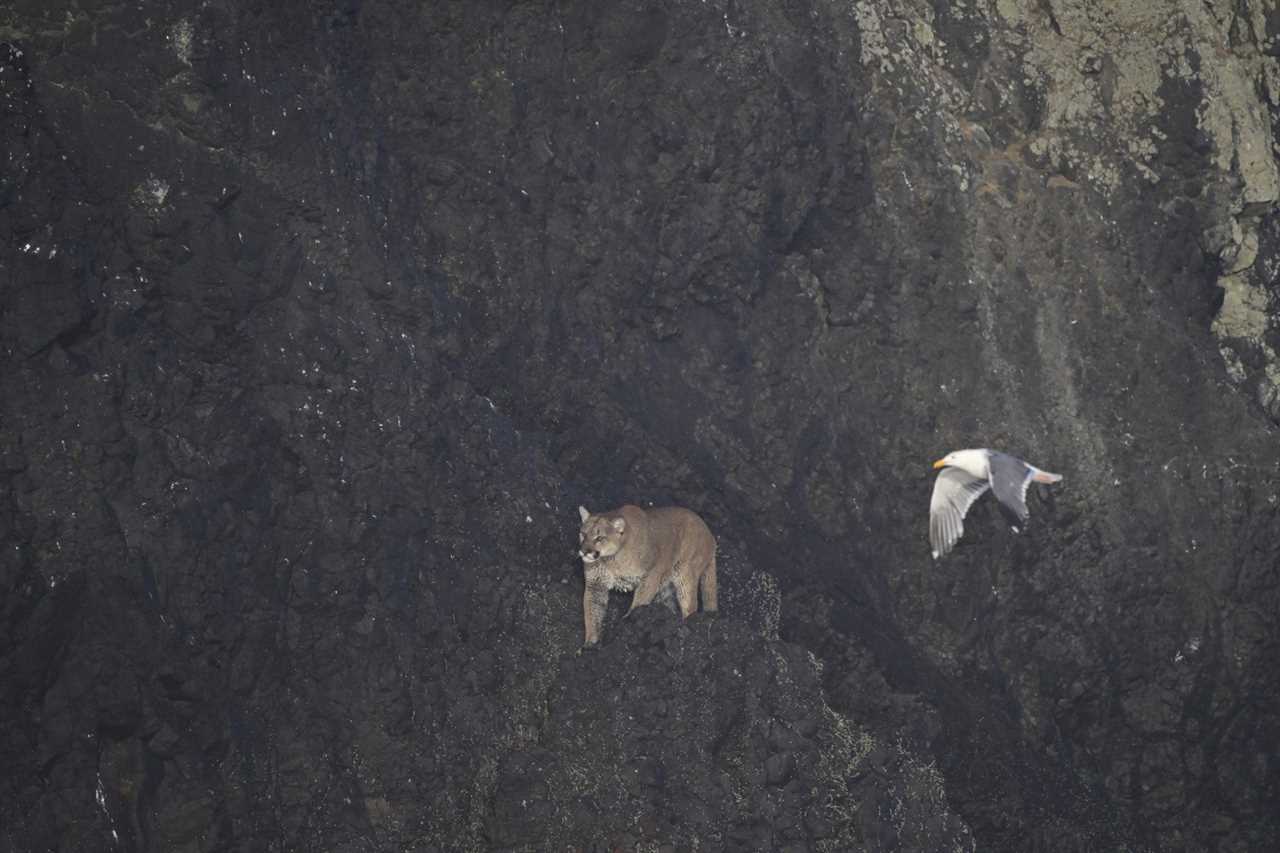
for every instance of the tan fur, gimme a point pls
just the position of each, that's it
(630, 548)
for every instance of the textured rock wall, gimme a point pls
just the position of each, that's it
(320, 319)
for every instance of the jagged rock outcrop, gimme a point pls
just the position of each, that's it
(708, 734)
(319, 320)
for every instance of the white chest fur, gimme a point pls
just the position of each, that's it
(613, 575)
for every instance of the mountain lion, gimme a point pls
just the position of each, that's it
(653, 551)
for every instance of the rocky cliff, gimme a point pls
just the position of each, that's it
(319, 319)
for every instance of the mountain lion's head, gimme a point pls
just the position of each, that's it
(601, 536)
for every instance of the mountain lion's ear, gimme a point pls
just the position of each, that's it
(620, 524)
(582, 511)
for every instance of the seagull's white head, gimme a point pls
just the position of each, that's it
(973, 462)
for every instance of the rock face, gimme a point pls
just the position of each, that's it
(318, 320)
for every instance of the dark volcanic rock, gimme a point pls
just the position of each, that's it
(705, 734)
(318, 320)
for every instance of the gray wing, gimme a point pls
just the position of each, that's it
(1010, 477)
(953, 493)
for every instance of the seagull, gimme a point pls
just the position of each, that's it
(965, 475)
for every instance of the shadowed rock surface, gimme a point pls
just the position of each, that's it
(319, 319)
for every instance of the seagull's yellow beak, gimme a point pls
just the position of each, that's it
(941, 463)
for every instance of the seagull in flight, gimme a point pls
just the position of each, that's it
(964, 476)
